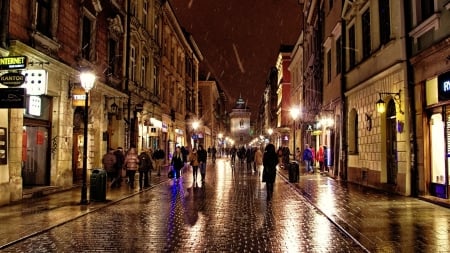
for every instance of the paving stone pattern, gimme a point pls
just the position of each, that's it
(229, 213)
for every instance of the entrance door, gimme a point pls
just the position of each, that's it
(35, 171)
(391, 143)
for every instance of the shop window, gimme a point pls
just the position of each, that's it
(437, 151)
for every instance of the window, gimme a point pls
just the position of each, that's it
(338, 55)
(87, 37)
(351, 46)
(330, 5)
(143, 71)
(155, 89)
(385, 21)
(366, 33)
(112, 60)
(329, 66)
(427, 8)
(132, 63)
(43, 16)
(145, 14)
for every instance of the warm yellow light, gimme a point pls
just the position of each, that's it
(295, 111)
(195, 125)
(87, 80)
(270, 131)
(380, 106)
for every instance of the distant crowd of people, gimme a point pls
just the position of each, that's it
(119, 165)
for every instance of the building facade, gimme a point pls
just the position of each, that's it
(429, 49)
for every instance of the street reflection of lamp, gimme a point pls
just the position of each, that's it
(87, 81)
(295, 111)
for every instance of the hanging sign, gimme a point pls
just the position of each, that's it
(13, 62)
(12, 98)
(12, 79)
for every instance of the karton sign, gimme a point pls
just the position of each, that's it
(12, 79)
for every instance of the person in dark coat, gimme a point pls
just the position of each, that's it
(120, 158)
(201, 157)
(145, 165)
(177, 162)
(270, 161)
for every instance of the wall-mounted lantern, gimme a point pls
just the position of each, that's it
(381, 105)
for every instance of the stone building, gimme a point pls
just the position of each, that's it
(429, 30)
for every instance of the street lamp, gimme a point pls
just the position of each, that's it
(195, 125)
(270, 132)
(87, 81)
(295, 111)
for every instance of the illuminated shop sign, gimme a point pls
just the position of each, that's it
(13, 62)
(444, 87)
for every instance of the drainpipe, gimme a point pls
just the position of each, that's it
(411, 104)
(344, 152)
(5, 23)
(127, 77)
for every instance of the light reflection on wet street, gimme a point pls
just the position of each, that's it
(229, 213)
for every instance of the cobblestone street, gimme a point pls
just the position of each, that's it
(229, 213)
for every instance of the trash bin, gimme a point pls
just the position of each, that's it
(294, 172)
(97, 190)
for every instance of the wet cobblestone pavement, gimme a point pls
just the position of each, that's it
(229, 213)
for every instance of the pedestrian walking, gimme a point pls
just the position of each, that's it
(120, 158)
(158, 157)
(320, 158)
(177, 162)
(109, 161)
(131, 165)
(270, 161)
(193, 160)
(249, 158)
(258, 159)
(307, 158)
(145, 166)
(202, 156)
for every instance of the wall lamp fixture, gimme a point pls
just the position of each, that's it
(381, 105)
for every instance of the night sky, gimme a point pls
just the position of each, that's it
(240, 40)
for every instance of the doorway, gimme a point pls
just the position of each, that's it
(35, 156)
(391, 143)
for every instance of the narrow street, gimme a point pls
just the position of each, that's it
(229, 213)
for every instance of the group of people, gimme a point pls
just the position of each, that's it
(309, 156)
(196, 158)
(118, 164)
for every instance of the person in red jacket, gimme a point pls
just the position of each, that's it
(320, 158)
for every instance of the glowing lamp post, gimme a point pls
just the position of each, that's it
(195, 126)
(270, 132)
(295, 112)
(87, 81)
